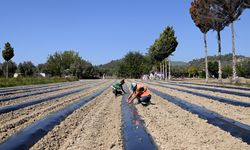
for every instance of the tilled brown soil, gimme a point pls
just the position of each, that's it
(224, 95)
(175, 128)
(20, 89)
(226, 82)
(14, 121)
(71, 87)
(212, 87)
(237, 113)
(97, 125)
(32, 90)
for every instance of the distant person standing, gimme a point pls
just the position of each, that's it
(117, 88)
(140, 92)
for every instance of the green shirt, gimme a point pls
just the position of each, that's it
(117, 86)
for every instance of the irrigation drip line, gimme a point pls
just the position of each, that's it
(213, 90)
(27, 137)
(29, 90)
(235, 128)
(32, 94)
(217, 98)
(2, 91)
(35, 93)
(17, 90)
(135, 135)
(37, 101)
(214, 85)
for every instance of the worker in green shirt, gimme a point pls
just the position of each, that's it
(117, 88)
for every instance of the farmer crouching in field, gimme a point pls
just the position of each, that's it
(141, 93)
(117, 88)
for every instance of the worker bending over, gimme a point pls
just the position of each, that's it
(139, 92)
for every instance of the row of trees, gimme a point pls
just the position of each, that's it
(27, 68)
(12, 67)
(243, 70)
(67, 63)
(135, 64)
(216, 15)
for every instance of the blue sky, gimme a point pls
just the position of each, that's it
(102, 31)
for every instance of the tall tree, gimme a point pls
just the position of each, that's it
(233, 9)
(152, 52)
(219, 22)
(199, 9)
(7, 54)
(169, 68)
(164, 46)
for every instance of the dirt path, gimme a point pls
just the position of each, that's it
(175, 128)
(97, 125)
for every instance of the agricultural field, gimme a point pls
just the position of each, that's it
(86, 115)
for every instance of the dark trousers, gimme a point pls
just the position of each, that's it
(117, 92)
(144, 100)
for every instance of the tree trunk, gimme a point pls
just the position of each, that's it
(234, 55)
(166, 69)
(169, 73)
(160, 71)
(7, 69)
(163, 72)
(219, 57)
(206, 61)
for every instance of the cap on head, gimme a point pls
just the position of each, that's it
(132, 86)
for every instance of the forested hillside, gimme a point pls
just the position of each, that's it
(225, 59)
(193, 68)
